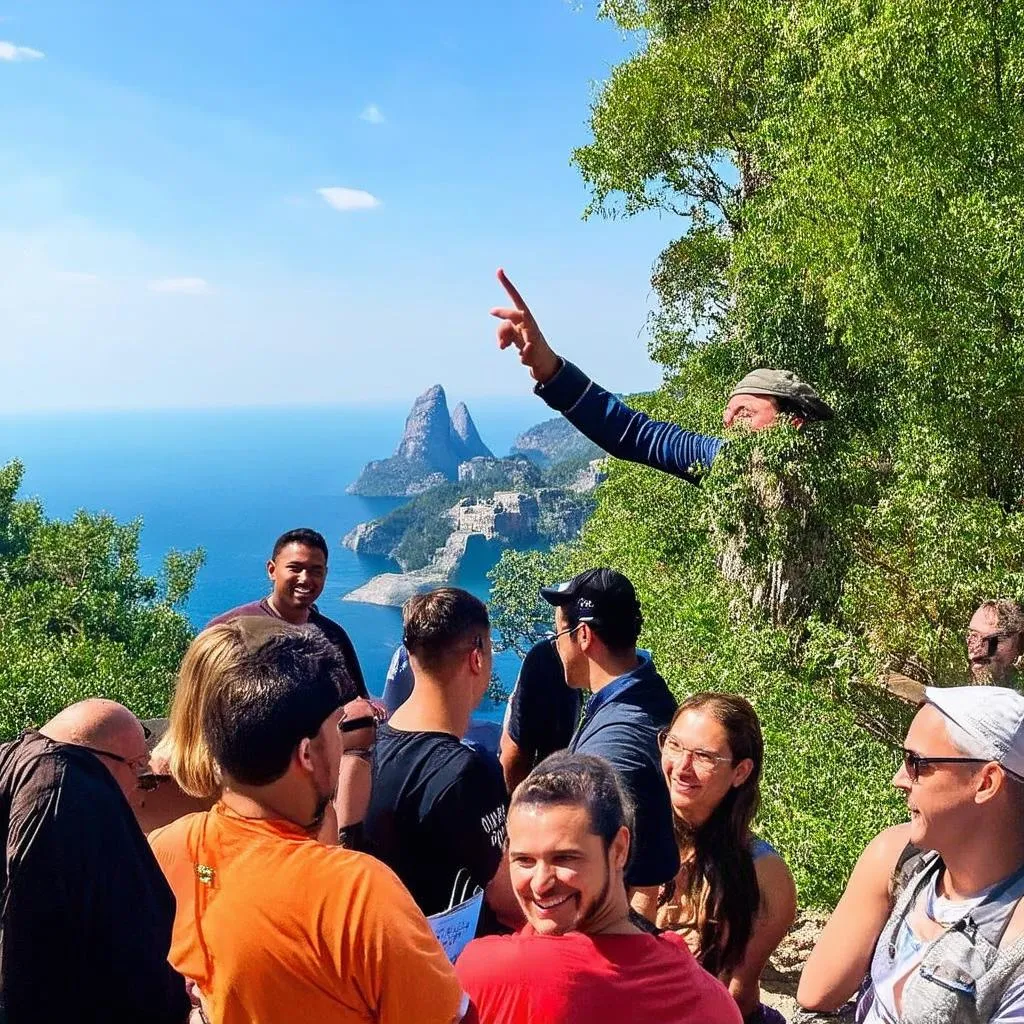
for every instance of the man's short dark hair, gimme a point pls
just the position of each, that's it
(304, 536)
(437, 622)
(580, 780)
(282, 690)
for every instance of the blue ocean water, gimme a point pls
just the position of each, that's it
(230, 481)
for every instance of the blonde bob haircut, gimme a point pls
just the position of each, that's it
(212, 655)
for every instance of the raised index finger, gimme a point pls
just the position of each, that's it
(513, 294)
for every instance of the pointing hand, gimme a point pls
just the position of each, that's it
(519, 328)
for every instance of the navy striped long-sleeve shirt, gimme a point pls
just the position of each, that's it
(624, 432)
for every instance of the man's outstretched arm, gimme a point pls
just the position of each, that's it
(595, 412)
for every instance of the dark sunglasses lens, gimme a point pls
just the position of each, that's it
(147, 783)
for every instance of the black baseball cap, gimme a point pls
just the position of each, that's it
(597, 595)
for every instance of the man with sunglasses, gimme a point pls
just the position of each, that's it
(86, 913)
(940, 936)
(995, 643)
(437, 813)
(597, 625)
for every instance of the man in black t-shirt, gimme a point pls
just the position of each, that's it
(541, 716)
(437, 812)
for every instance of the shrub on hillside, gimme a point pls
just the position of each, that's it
(77, 616)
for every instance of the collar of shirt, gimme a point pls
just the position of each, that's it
(619, 685)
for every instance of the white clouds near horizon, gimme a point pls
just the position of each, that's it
(180, 286)
(372, 114)
(11, 52)
(346, 199)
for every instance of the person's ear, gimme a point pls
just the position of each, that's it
(304, 754)
(585, 637)
(270, 568)
(618, 852)
(476, 660)
(742, 772)
(992, 780)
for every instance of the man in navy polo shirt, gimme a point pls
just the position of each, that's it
(597, 623)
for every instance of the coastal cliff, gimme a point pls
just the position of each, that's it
(432, 445)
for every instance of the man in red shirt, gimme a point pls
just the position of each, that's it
(580, 957)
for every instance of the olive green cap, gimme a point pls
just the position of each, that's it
(785, 384)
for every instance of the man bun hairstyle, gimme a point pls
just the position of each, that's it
(580, 780)
(280, 692)
(438, 623)
(304, 536)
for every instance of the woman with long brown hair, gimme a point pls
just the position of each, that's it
(734, 898)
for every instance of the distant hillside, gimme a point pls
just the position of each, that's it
(555, 440)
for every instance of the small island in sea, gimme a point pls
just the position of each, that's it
(464, 501)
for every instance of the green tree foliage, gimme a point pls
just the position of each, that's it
(849, 181)
(77, 616)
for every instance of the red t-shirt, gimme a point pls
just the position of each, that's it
(594, 979)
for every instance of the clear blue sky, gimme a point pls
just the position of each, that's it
(164, 240)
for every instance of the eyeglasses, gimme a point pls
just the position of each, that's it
(703, 760)
(139, 765)
(913, 762)
(553, 637)
(986, 641)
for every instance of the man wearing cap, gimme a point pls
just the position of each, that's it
(939, 934)
(756, 402)
(597, 623)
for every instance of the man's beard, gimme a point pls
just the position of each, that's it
(597, 906)
(323, 801)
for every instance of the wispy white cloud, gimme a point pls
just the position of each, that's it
(181, 286)
(348, 198)
(373, 114)
(10, 52)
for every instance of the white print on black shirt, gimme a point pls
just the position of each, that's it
(494, 825)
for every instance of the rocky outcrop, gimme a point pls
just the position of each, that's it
(432, 446)
(378, 537)
(589, 477)
(395, 588)
(555, 440)
(466, 440)
(510, 517)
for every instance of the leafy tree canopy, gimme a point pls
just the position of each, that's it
(77, 616)
(849, 182)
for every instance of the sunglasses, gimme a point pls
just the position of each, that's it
(986, 644)
(913, 762)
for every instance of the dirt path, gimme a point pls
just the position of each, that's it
(781, 976)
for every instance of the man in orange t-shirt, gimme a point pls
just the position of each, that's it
(270, 924)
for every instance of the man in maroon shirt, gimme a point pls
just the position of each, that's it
(298, 571)
(580, 957)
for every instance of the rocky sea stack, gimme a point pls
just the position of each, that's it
(432, 446)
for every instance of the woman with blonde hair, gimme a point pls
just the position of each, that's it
(183, 774)
(734, 898)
